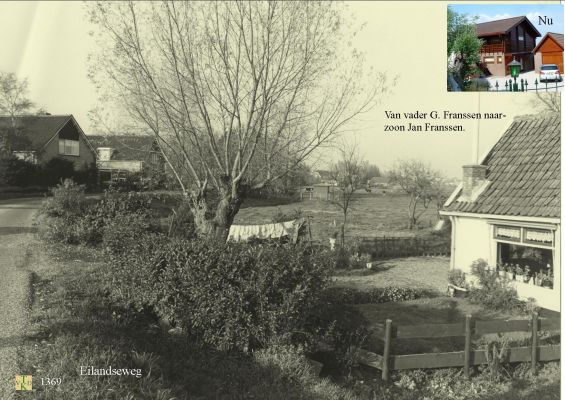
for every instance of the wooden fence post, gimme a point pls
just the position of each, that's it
(386, 352)
(468, 346)
(534, 341)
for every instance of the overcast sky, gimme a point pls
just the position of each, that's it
(48, 43)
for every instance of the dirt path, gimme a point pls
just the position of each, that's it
(16, 241)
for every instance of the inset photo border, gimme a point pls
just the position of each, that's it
(505, 47)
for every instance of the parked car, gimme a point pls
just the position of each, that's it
(550, 72)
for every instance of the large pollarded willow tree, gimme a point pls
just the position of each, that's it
(237, 93)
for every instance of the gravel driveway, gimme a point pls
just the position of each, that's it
(16, 238)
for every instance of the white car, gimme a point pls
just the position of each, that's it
(549, 72)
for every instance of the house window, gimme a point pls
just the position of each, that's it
(528, 248)
(499, 59)
(489, 60)
(521, 38)
(68, 147)
(154, 158)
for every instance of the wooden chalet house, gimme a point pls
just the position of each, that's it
(549, 51)
(505, 40)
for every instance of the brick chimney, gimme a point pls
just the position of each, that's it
(473, 179)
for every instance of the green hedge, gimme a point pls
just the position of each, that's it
(231, 296)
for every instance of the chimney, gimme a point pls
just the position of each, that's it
(473, 179)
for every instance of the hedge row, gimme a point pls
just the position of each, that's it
(231, 296)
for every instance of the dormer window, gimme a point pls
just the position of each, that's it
(105, 153)
(68, 147)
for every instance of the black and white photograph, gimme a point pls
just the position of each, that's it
(268, 200)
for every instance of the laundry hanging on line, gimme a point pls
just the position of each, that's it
(239, 233)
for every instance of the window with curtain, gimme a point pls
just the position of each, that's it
(68, 147)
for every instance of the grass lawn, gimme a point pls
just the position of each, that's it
(411, 272)
(370, 215)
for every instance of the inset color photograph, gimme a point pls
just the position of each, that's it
(505, 47)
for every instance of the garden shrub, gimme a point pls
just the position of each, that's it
(492, 292)
(67, 200)
(457, 278)
(230, 295)
(181, 223)
(344, 295)
(16, 172)
(67, 217)
(56, 170)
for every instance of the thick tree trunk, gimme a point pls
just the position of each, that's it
(216, 225)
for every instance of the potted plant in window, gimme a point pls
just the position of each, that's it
(548, 280)
(519, 273)
(457, 285)
(510, 271)
(501, 270)
(540, 278)
(527, 274)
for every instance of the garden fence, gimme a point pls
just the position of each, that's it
(466, 358)
(522, 86)
(391, 247)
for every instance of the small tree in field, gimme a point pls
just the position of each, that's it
(237, 93)
(350, 174)
(420, 182)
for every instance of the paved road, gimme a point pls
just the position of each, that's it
(16, 234)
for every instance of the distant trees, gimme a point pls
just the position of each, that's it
(13, 102)
(237, 93)
(423, 185)
(463, 44)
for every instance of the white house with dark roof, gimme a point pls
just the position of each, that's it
(507, 209)
(119, 155)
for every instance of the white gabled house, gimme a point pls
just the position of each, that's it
(507, 209)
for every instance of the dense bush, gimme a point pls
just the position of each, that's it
(181, 222)
(57, 169)
(491, 292)
(231, 296)
(67, 217)
(344, 295)
(457, 277)
(16, 172)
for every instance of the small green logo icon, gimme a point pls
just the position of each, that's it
(23, 382)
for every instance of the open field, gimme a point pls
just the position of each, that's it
(370, 215)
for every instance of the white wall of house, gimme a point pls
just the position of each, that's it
(473, 238)
(470, 241)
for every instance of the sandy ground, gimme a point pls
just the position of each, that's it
(413, 272)
(16, 239)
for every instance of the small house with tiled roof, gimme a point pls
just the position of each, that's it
(42, 137)
(507, 208)
(505, 40)
(118, 155)
(549, 51)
